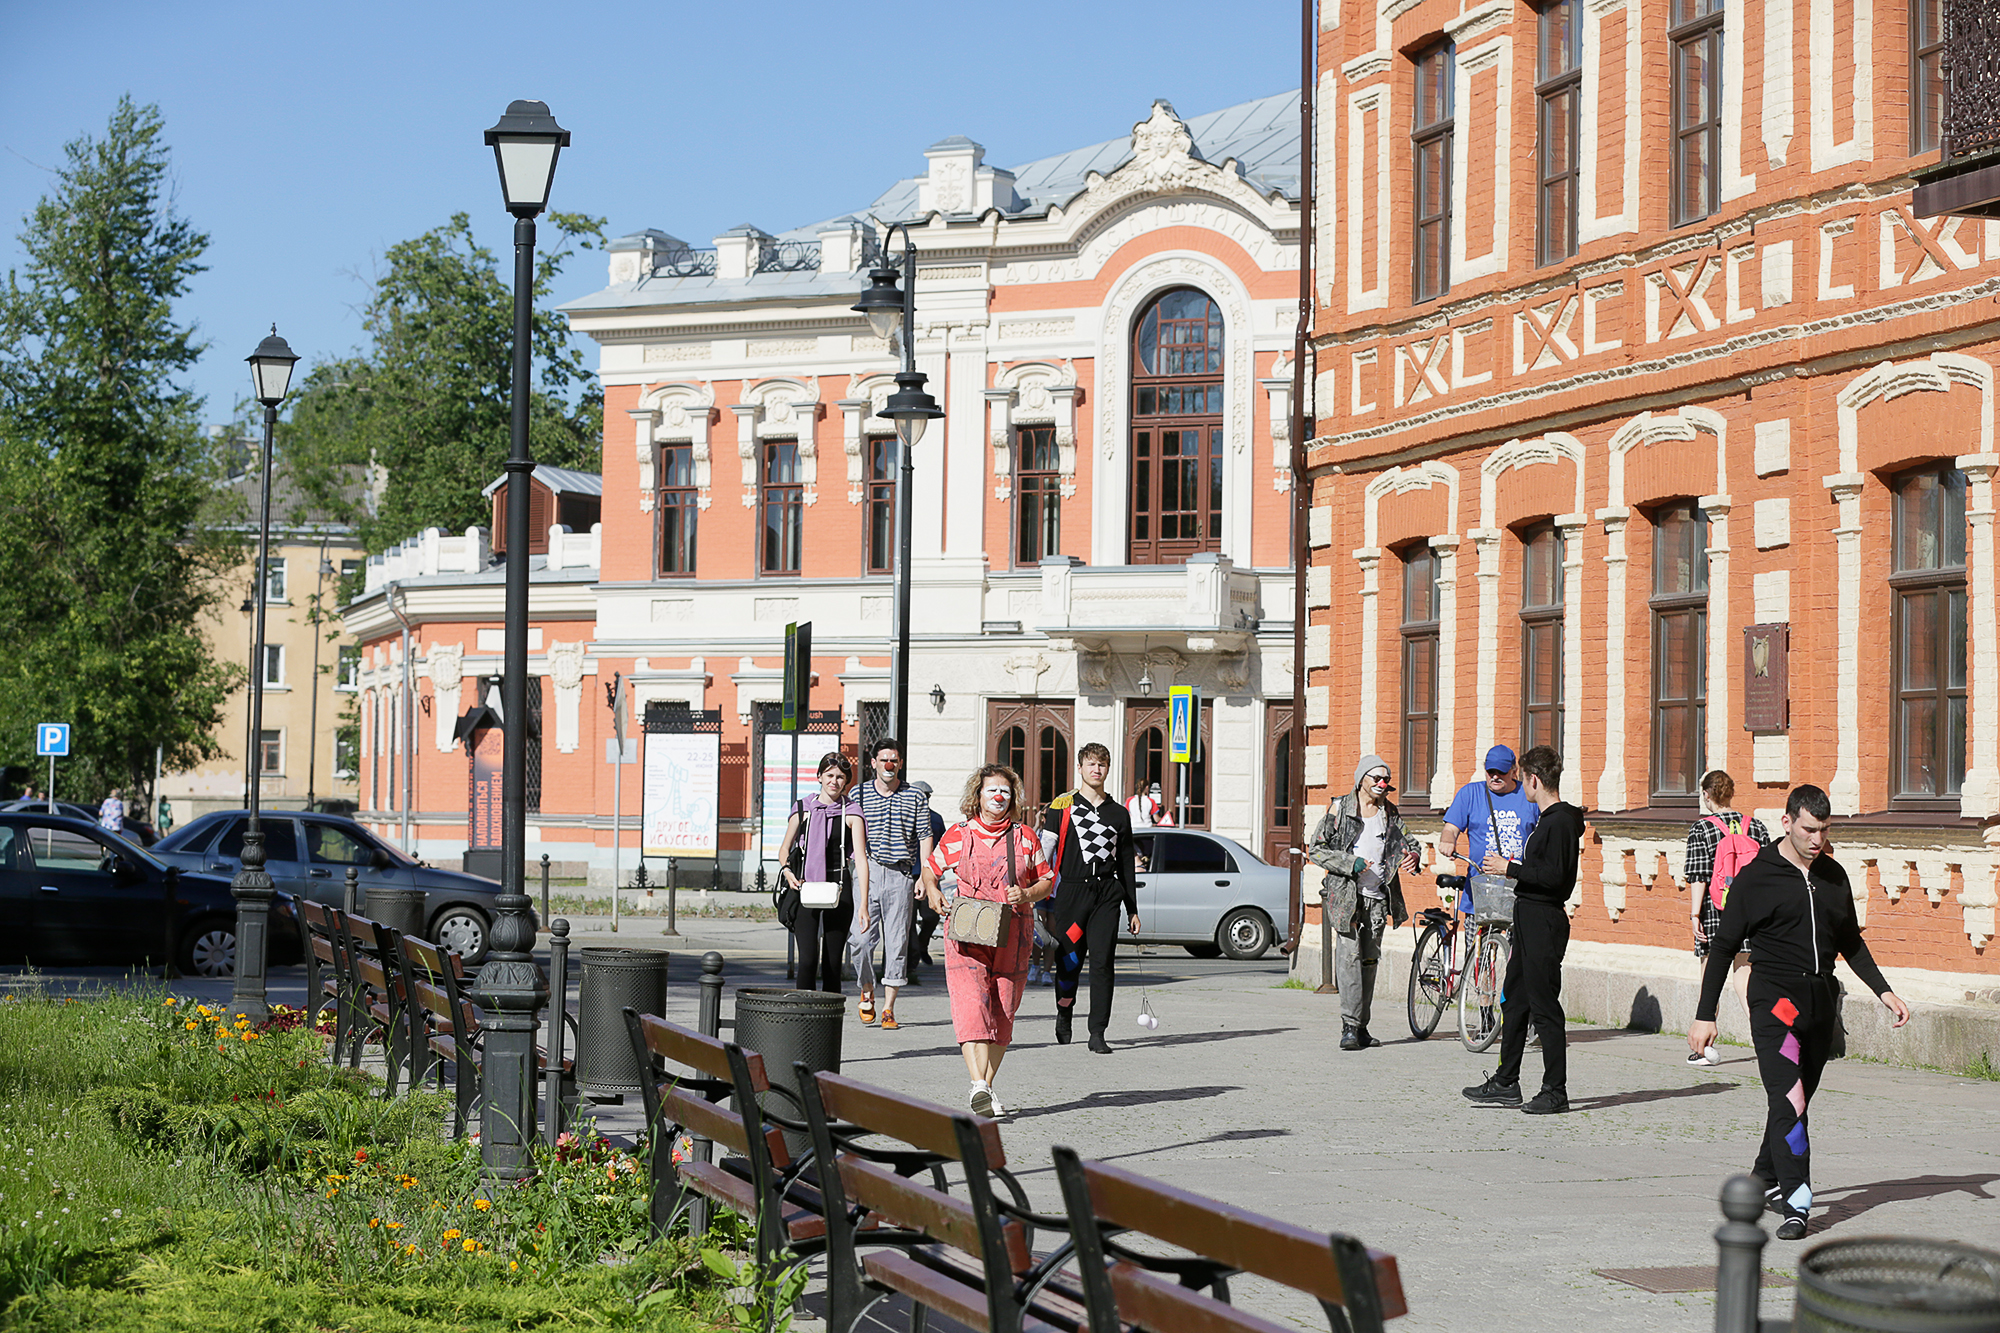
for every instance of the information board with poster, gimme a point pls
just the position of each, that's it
(820, 737)
(683, 785)
(488, 746)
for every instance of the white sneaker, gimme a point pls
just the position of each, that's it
(982, 1100)
(1707, 1057)
(997, 1109)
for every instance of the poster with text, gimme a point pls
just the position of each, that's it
(683, 794)
(776, 780)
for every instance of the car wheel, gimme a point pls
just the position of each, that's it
(1245, 934)
(461, 930)
(208, 949)
(1204, 950)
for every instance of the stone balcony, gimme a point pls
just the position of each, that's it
(1208, 600)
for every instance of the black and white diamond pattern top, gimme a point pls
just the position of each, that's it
(1096, 839)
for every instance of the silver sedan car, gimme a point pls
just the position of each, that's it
(1208, 893)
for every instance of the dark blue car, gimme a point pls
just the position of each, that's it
(309, 854)
(72, 893)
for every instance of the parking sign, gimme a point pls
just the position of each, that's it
(1183, 723)
(52, 740)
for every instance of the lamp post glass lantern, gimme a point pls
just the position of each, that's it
(271, 377)
(526, 143)
(911, 408)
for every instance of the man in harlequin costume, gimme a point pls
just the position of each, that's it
(1095, 882)
(1795, 899)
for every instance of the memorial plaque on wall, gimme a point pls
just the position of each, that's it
(1767, 703)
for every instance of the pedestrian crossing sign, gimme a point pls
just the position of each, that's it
(1183, 724)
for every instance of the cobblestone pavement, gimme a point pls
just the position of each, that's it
(1498, 1220)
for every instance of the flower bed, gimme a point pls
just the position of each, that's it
(175, 1166)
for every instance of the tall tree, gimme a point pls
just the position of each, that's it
(106, 478)
(425, 407)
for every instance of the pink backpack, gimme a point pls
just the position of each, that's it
(1736, 850)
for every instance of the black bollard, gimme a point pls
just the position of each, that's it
(545, 890)
(673, 879)
(351, 898)
(1739, 1244)
(710, 1021)
(553, 1110)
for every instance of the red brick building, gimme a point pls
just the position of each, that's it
(1654, 425)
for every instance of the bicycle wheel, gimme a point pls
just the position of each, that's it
(1480, 993)
(1430, 982)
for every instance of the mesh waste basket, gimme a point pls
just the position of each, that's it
(1887, 1284)
(786, 1025)
(606, 1067)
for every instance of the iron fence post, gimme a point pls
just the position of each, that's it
(673, 881)
(553, 1109)
(1739, 1244)
(545, 890)
(351, 896)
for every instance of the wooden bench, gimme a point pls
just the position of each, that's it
(1358, 1288)
(387, 1004)
(758, 1179)
(970, 1259)
(327, 979)
(452, 1035)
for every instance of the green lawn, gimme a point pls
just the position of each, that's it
(164, 1167)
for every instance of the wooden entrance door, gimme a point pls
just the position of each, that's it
(1281, 811)
(1147, 762)
(1035, 738)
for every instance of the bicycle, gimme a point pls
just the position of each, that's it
(1440, 975)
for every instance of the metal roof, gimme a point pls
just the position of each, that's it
(558, 479)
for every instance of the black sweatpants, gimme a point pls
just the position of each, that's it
(1532, 989)
(1792, 1021)
(1088, 927)
(821, 934)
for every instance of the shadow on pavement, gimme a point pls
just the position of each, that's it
(1855, 1200)
(1650, 1095)
(1133, 1097)
(1226, 1136)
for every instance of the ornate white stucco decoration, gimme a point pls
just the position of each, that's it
(1026, 669)
(566, 674)
(861, 417)
(1278, 387)
(446, 667)
(670, 414)
(1093, 666)
(784, 409)
(1033, 393)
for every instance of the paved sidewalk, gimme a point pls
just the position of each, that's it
(1497, 1219)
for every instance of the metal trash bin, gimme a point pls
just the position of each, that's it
(1887, 1284)
(400, 909)
(785, 1025)
(606, 1068)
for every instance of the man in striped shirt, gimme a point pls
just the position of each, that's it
(898, 821)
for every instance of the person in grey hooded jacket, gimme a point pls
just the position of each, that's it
(1361, 846)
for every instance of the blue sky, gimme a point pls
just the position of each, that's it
(309, 138)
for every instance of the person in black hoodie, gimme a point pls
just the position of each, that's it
(1544, 878)
(1795, 899)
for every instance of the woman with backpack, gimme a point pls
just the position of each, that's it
(1719, 844)
(825, 842)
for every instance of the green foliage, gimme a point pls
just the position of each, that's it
(105, 476)
(427, 403)
(141, 1188)
(1981, 1066)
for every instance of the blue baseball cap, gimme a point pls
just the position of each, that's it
(1499, 759)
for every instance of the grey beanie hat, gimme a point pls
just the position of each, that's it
(1369, 763)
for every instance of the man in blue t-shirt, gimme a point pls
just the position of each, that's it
(1479, 805)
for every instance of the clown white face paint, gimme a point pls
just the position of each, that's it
(996, 797)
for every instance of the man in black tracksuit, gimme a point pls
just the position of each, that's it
(1094, 862)
(1544, 878)
(1795, 899)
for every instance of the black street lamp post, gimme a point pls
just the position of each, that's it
(911, 409)
(526, 144)
(271, 371)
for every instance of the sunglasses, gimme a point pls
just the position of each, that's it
(1379, 779)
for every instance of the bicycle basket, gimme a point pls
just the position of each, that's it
(1492, 900)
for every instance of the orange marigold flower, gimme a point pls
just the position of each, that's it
(470, 1246)
(453, 1234)
(482, 1204)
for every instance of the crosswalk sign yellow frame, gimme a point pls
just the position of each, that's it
(1183, 724)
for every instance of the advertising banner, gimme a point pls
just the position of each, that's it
(776, 782)
(683, 780)
(488, 746)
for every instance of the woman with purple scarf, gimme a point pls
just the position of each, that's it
(835, 847)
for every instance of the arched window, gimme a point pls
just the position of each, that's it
(1177, 448)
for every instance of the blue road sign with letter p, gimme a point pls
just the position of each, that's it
(52, 740)
(1183, 723)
